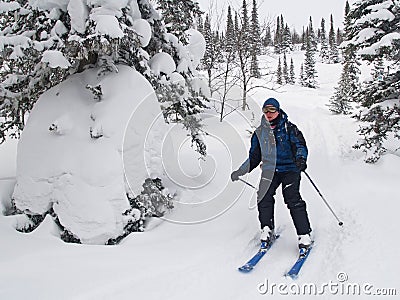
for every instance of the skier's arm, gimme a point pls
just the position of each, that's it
(297, 139)
(254, 156)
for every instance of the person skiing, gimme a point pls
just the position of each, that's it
(285, 142)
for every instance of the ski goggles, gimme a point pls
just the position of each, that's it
(270, 109)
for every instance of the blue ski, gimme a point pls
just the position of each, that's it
(247, 267)
(294, 271)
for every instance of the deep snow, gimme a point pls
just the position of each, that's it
(172, 260)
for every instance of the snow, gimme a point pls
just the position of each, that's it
(107, 25)
(381, 15)
(196, 46)
(386, 40)
(79, 14)
(199, 261)
(49, 4)
(83, 178)
(143, 29)
(162, 63)
(55, 59)
(9, 6)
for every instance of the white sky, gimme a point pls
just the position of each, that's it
(295, 13)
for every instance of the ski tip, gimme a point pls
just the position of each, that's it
(292, 276)
(245, 269)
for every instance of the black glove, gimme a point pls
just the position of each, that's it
(301, 164)
(235, 175)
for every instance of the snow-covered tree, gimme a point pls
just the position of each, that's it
(287, 44)
(311, 37)
(324, 53)
(267, 40)
(179, 16)
(301, 76)
(278, 36)
(310, 73)
(279, 72)
(292, 76)
(43, 43)
(255, 31)
(285, 70)
(349, 79)
(333, 46)
(255, 41)
(374, 31)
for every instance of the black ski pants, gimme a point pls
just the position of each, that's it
(290, 189)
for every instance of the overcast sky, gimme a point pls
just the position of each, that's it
(295, 13)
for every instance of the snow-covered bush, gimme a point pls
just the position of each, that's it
(62, 61)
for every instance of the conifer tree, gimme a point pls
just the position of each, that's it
(255, 29)
(301, 76)
(304, 35)
(310, 72)
(292, 76)
(311, 37)
(230, 38)
(333, 47)
(285, 71)
(255, 42)
(287, 44)
(324, 53)
(279, 72)
(278, 36)
(379, 98)
(179, 16)
(349, 80)
(267, 40)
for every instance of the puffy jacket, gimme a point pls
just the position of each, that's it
(285, 142)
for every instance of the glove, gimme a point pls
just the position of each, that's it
(301, 164)
(235, 175)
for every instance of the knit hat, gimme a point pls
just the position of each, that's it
(271, 101)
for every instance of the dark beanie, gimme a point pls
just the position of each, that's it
(271, 101)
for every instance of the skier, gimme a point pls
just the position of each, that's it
(291, 156)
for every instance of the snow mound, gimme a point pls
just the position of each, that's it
(70, 152)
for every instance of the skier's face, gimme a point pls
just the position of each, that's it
(270, 113)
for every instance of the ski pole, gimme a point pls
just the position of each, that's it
(326, 202)
(244, 181)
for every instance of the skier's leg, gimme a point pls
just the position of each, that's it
(294, 202)
(266, 201)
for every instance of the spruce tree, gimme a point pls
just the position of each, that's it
(255, 29)
(179, 16)
(285, 71)
(379, 98)
(301, 76)
(311, 37)
(349, 79)
(324, 53)
(279, 72)
(278, 36)
(267, 40)
(310, 72)
(292, 76)
(287, 44)
(333, 47)
(255, 42)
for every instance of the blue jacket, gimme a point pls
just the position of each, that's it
(277, 149)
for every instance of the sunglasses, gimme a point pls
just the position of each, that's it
(270, 109)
